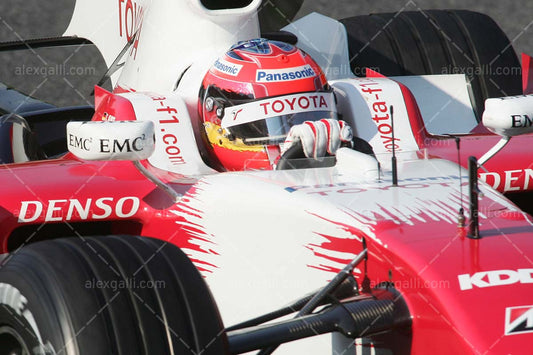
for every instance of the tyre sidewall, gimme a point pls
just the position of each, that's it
(30, 312)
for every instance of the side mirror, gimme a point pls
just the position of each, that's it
(117, 140)
(509, 116)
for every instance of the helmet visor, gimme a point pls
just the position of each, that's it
(268, 121)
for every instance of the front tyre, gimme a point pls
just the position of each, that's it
(106, 295)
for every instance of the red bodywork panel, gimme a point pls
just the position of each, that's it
(425, 261)
(527, 74)
(69, 191)
(508, 171)
(426, 270)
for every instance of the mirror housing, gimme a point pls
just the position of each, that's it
(111, 140)
(509, 116)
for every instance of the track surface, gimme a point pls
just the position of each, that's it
(41, 18)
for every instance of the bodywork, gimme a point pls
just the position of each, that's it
(263, 238)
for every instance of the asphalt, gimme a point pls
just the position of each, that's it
(21, 19)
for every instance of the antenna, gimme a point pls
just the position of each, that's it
(474, 195)
(393, 159)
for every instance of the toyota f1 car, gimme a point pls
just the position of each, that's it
(132, 242)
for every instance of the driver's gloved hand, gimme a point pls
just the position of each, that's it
(319, 137)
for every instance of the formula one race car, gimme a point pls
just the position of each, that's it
(124, 231)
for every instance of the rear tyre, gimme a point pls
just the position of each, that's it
(106, 295)
(437, 42)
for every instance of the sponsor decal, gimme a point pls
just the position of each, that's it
(130, 21)
(518, 320)
(351, 188)
(380, 113)
(170, 141)
(226, 67)
(107, 145)
(509, 180)
(66, 210)
(521, 121)
(495, 278)
(289, 74)
(172, 150)
(123, 145)
(100, 140)
(108, 117)
(285, 105)
(281, 106)
(80, 142)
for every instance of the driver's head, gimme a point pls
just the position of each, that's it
(253, 95)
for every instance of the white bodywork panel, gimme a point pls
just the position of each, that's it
(172, 36)
(259, 261)
(189, 38)
(364, 104)
(176, 149)
(104, 23)
(444, 102)
(325, 39)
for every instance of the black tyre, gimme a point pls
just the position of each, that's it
(437, 42)
(106, 295)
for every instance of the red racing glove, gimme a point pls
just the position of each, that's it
(319, 137)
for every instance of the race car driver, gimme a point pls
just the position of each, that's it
(262, 97)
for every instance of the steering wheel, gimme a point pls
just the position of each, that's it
(294, 158)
